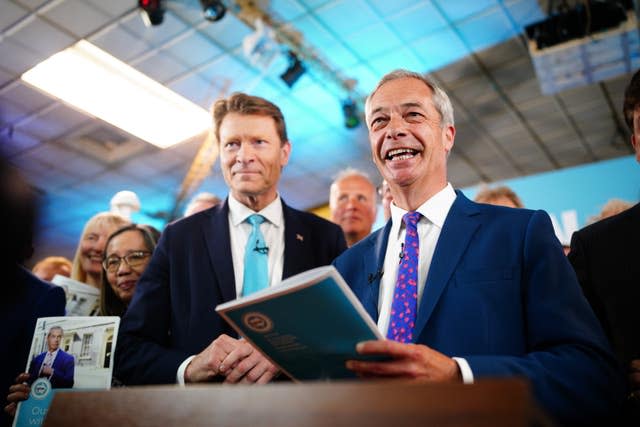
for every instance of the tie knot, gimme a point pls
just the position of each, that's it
(411, 218)
(255, 219)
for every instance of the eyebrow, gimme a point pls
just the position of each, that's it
(405, 105)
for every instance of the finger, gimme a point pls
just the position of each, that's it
(23, 377)
(635, 365)
(10, 409)
(384, 347)
(256, 372)
(231, 360)
(246, 365)
(266, 377)
(19, 388)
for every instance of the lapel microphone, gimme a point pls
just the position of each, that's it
(264, 250)
(373, 276)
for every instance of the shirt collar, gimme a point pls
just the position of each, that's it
(239, 212)
(435, 209)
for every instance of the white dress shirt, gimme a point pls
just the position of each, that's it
(273, 231)
(239, 230)
(434, 212)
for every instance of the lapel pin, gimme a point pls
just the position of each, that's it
(299, 237)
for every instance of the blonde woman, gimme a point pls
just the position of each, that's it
(87, 262)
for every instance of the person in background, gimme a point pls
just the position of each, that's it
(47, 268)
(387, 198)
(171, 331)
(23, 297)
(499, 196)
(605, 258)
(87, 262)
(611, 208)
(352, 202)
(127, 254)
(480, 291)
(200, 202)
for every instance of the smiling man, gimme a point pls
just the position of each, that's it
(171, 332)
(352, 202)
(480, 291)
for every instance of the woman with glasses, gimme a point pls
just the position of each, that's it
(127, 253)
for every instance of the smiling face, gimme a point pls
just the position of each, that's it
(123, 279)
(92, 247)
(353, 206)
(409, 145)
(252, 156)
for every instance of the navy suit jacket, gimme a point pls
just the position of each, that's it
(605, 258)
(63, 368)
(172, 314)
(501, 294)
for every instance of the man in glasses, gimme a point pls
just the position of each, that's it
(171, 332)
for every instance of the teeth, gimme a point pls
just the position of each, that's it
(400, 154)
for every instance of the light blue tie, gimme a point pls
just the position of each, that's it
(256, 255)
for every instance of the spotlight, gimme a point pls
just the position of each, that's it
(295, 70)
(213, 10)
(152, 12)
(350, 111)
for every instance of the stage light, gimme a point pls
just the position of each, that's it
(350, 111)
(213, 10)
(295, 70)
(152, 12)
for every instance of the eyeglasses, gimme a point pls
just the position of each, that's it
(132, 259)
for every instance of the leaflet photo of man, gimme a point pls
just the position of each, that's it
(54, 364)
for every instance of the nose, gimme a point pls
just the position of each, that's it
(396, 127)
(123, 268)
(244, 153)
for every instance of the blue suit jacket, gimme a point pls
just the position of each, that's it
(63, 369)
(501, 294)
(172, 314)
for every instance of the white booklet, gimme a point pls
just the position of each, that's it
(67, 354)
(82, 299)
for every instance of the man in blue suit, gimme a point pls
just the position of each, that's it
(54, 364)
(492, 294)
(171, 332)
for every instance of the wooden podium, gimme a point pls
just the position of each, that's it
(389, 404)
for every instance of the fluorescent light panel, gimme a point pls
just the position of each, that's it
(95, 82)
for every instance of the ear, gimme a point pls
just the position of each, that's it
(448, 135)
(635, 143)
(285, 152)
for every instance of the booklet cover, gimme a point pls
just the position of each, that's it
(82, 299)
(67, 353)
(308, 325)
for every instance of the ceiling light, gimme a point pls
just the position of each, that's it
(295, 70)
(213, 10)
(152, 12)
(95, 82)
(350, 111)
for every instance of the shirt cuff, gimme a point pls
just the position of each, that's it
(465, 370)
(181, 369)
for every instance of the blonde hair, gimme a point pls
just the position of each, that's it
(110, 219)
(489, 195)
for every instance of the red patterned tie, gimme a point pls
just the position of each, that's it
(405, 295)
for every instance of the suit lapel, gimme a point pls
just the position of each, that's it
(297, 247)
(373, 268)
(218, 242)
(457, 231)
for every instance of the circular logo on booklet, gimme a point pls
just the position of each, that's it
(257, 322)
(40, 388)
